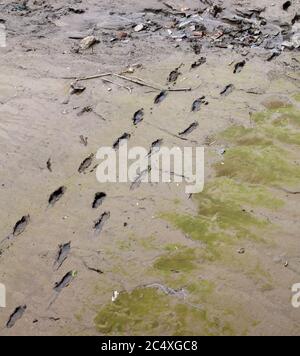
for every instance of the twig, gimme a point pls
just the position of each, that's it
(137, 81)
(119, 85)
(94, 77)
(134, 80)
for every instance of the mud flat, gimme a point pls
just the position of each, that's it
(83, 258)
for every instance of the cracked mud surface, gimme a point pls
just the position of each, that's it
(220, 263)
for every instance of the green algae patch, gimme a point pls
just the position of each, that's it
(247, 136)
(231, 191)
(288, 115)
(297, 97)
(224, 218)
(178, 261)
(259, 165)
(148, 311)
(276, 105)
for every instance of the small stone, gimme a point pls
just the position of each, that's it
(139, 28)
(241, 251)
(88, 42)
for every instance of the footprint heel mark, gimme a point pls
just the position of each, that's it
(62, 254)
(125, 137)
(65, 281)
(98, 200)
(198, 63)
(239, 67)
(138, 117)
(15, 316)
(57, 195)
(99, 224)
(198, 103)
(21, 225)
(189, 130)
(155, 147)
(227, 90)
(86, 164)
(160, 97)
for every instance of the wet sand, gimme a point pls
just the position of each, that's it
(230, 255)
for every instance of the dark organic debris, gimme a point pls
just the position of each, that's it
(286, 5)
(98, 226)
(86, 109)
(198, 103)
(125, 137)
(155, 147)
(21, 225)
(239, 66)
(138, 117)
(65, 282)
(160, 97)
(57, 195)
(197, 48)
(86, 163)
(92, 269)
(227, 90)
(62, 255)
(98, 200)
(190, 129)
(15, 316)
(198, 63)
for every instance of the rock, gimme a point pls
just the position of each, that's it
(139, 28)
(88, 42)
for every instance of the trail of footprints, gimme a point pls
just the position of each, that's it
(64, 250)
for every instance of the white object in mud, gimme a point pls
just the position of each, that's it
(88, 42)
(139, 28)
(115, 296)
(295, 39)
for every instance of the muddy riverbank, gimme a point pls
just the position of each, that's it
(83, 258)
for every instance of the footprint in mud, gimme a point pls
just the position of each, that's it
(189, 130)
(65, 281)
(227, 90)
(287, 5)
(174, 75)
(155, 147)
(15, 316)
(160, 97)
(98, 200)
(62, 255)
(198, 63)
(99, 224)
(86, 164)
(239, 67)
(125, 137)
(49, 165)
(198, 103)
(56, 196)
(21, 225)
(138, 180)
(138, 117)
